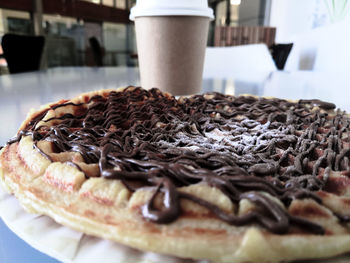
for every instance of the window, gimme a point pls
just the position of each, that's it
(93, 1)
(17, 22)
(121, 4)
(108, 2)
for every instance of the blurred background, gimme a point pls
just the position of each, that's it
(61, 33)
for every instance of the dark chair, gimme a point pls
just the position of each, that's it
(22, 53)
(280, 53)
(97, 51)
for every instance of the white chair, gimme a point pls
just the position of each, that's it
(247, 62)
(303, 53)
(325, 49)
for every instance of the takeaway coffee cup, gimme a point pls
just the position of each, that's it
(171, 39)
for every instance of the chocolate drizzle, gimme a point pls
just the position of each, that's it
(244, 146)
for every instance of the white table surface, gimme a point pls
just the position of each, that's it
(21, 92)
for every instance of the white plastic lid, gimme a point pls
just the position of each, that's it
(171, 8)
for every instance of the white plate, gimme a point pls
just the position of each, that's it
(65, 244)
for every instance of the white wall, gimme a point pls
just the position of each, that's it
(294, 17)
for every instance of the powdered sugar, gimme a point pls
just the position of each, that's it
(238, 138)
